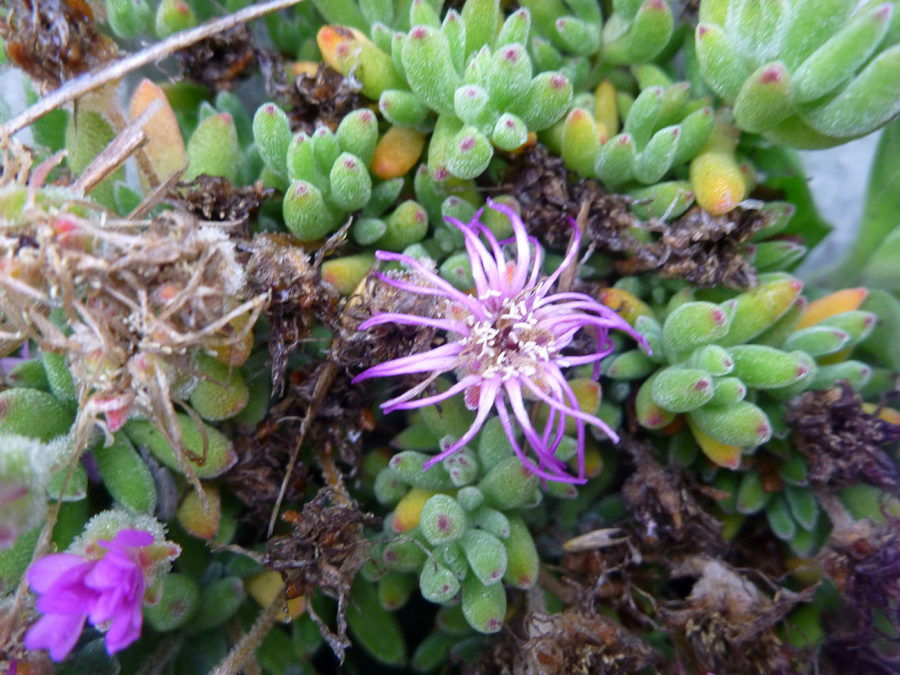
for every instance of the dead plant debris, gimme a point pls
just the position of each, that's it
(702, 249)
(54, 40)
(220, 62)
(216, 199)
(840, 440)
(324, 552)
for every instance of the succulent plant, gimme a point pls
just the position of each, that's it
(806, 75)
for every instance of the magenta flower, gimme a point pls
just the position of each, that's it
(109, 592)
(506, 344)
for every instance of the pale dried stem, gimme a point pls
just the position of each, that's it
(83, 84)
(244, 649)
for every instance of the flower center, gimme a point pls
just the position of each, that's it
(512, 343)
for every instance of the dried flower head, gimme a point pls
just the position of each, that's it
(506, 342)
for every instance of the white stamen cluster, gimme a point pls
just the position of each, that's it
(511, 344)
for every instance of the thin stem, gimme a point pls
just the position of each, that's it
(243, 650)
(81, 85)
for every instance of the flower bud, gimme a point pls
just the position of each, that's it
(741, 424)
(220, 600)
(483, 606)
(437, 583)
(580, 142)
(177, 605)
(693, 325)
(125, 475)
(218, 458)
(443, 520)
(428, 65)
(214, 149)
(757, 310)
(272, 133)
(34, 414)
(305, 213)
(508, 484)
(461, 465)
(615, 160)
(650, 414)
(173, 16)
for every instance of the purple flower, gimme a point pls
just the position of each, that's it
(109, 592)
(506, 344)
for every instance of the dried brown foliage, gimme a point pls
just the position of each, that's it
(215, 199)
(666, 512)
(138, 296)
(312, 100)
(841, 441)
(220, 62)
(863, 559)
(324, 552)
(727, 624)
(700, 248)
(54, 40)
(576, 641)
